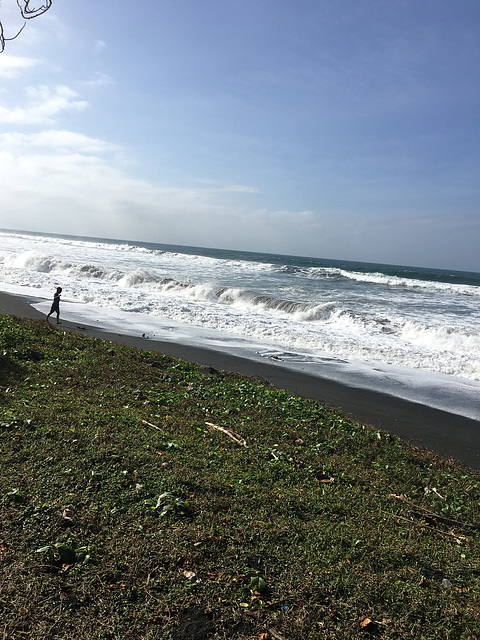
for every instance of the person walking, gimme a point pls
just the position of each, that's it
(56, 305)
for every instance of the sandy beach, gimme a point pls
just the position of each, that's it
(445, 433)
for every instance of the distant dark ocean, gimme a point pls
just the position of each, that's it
(397, 327)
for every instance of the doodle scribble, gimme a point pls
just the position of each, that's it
(29, 9)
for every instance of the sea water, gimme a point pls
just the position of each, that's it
(406, 331)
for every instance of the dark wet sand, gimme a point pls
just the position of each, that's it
(445, 433)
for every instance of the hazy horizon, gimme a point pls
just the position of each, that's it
(228, 249)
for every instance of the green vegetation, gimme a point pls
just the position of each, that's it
(130, 507)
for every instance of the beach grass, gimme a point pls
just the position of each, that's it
(143, 497)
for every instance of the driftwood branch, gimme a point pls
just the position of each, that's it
(428, 515)
(154, 426)
(449, 534)
(231, 434)
(448, 521)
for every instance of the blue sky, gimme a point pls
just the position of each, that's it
(339, 128)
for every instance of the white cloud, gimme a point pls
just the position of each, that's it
(64, 182)
(227, 188)
(56, 141)
(57, 181)
(100, 80)
(13, 66)
(239, 188)
(43, 105)
(100, 45)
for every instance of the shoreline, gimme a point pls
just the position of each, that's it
(448, 434)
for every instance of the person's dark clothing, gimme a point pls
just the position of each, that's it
(55, 304)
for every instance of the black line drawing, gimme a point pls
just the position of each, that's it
(29, 9)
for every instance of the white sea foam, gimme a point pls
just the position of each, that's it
(317, 313)
(396, 281)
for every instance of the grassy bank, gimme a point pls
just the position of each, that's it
(145, 497)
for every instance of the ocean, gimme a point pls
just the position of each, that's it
(406, 331)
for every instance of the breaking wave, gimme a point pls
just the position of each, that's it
(388, 280)
(374, 313)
